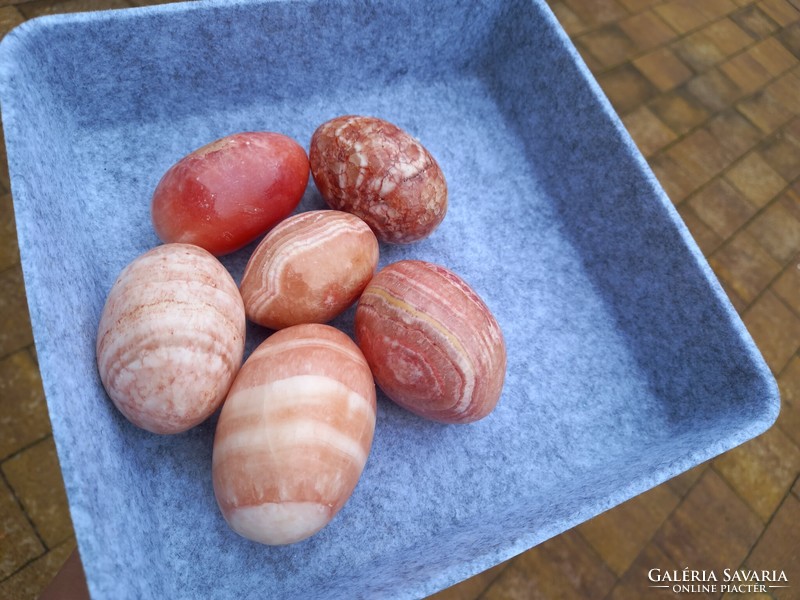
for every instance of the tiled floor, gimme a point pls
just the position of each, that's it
(710, 91)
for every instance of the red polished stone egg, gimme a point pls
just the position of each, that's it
(380, 173)
(433, 345)
(294, 434)
(308, 269)
(227, 193)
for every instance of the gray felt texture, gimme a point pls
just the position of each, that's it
(627, 364)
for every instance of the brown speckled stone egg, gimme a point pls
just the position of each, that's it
(380, 173)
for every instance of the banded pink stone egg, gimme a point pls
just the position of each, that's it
(171, 338)
(308, 269)
(294, 434)
(380, 173)
(433, 345)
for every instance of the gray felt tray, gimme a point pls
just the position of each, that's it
(627, 365)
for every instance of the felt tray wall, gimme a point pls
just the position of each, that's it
(627, 365)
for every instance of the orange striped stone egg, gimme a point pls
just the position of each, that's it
(433, 345)
(309, 269)
(171, 338)
(294, 434)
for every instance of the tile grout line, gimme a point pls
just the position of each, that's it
(482, 593)
(24, 448)
(4, 479)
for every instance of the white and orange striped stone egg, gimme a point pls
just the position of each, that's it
(433, 345)
(171, 338)
(294, 434)
(309, 269)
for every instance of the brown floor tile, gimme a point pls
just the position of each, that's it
(796, 488)
(591, 62)
(675, 181)
(637, 6)
(778, 231)
(773, 56)
(736, 134)
(698, 51)
(635, 583)
(684, 482)
(706, 239)
(790, 38)
(682, 15)
(736, 300)
(779, 11)
(714, 90)
(782, 153)
(15, 329)
(712, 527)
(789, 385)
(564, 567)
(679, 110)
(472, 588)
(647, 30)
(663, 69)
(700, 155)
(626, 88)
(571, 23)
(620, 534)
(23, 411)
(10, 17)
(756, 179)
(765, 111)
(762, 471)
(35, 477)
(754, 22)
(777, 549)
(9, 250)
(746, 72)
(597, 12)
(775, 329)
(728, 36)
(786, 90)
(609, 45)
(29, 582)
(39, 8)
(18, 541)
(793, 130)
(712, 44)
(722, 207)
(745, 266)
(648, 131)
(787, 286)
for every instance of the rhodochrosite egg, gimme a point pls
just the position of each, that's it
(294, 434)
(171, 338)
(380, 173)
(433, 345)
(227, 193)
(308, 269)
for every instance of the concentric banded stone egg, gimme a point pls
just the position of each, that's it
(171, 338)
(308, 269)
(433, 345)
(380, 173)
(294, 434)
